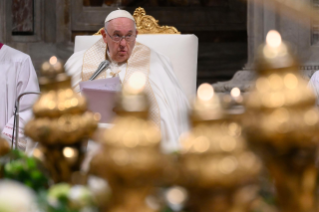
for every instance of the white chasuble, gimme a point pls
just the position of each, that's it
(169, 105)
(17, 76)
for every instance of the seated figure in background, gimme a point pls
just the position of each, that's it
(17, 76)
(169, 105)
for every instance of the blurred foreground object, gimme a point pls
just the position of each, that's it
(63, 197)
(15, 197)
(130, 157)
(282, 124)
(233, 104)
(4, 147)
(61, 123)
(218, 171)
(16, 165)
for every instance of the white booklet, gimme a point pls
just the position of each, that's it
(101, 96)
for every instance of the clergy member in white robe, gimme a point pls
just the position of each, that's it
(17, 76)
(169, 105)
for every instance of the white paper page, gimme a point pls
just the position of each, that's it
(109, 84)
(101, 96)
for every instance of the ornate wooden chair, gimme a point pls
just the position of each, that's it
(181, 49)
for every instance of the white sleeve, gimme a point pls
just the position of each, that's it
(172, 102)
(73, 67)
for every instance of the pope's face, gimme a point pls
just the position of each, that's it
(117, 28)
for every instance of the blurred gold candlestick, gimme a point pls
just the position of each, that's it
(282, 125)
(216, 168)
(61, 123)
(4, 147)
(130, 158)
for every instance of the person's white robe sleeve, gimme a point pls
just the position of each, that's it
(172, 101)
(73, 68)
(21, 77)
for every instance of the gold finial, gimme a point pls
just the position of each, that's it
(207, 105)
(57, 96)
(52, 72)
(133, 99)
(275, 54)
(136, 84)
(52, 67)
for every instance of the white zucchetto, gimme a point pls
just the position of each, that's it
(119, 14)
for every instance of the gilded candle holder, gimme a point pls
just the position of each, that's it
(282, 125)
(217, 169)
(61, 123)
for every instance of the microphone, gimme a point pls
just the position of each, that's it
(104, 64)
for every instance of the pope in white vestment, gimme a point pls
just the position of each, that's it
(169, 105)
(17, 76)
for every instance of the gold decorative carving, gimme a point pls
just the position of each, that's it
(147, 24)
(99, 32)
